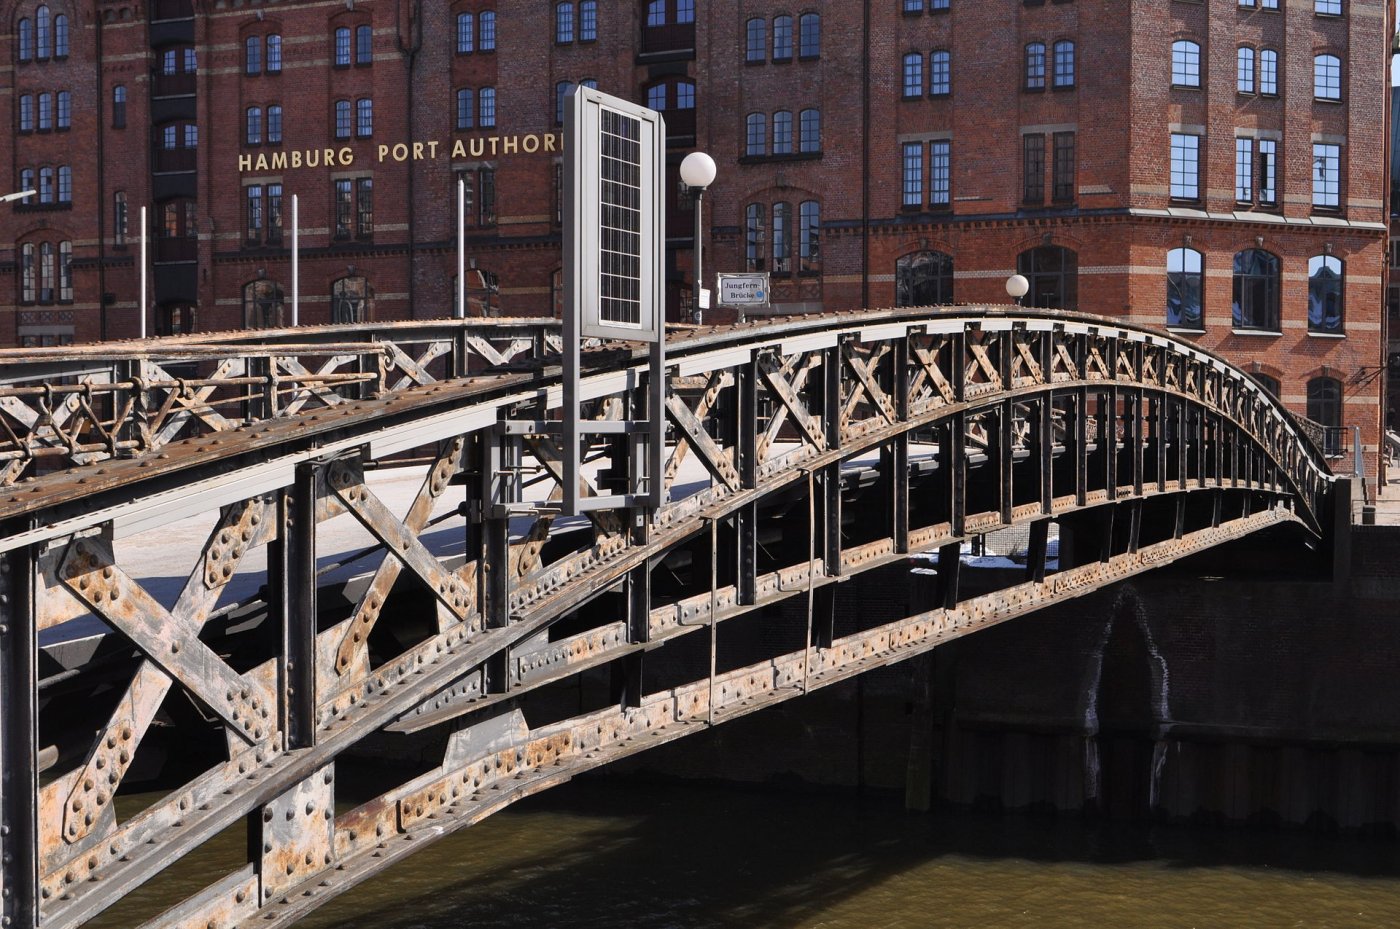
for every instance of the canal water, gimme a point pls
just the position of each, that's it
(606, 853)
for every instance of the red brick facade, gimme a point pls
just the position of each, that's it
(1105, 112)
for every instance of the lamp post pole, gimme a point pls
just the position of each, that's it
(698, 173)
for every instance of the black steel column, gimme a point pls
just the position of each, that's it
(831, 475)
(19, 741)
(292, 565)
(1036, 548)
(745, 425)
(899, 452)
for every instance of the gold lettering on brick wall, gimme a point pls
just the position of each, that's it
(400, 152)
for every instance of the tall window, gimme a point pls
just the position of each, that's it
(1033, 168)
(46, 185)
(782, 38)
(466, 108)
(811, 130)
(64, 109)
(782, 235)
(1268, 72)
(60, 38)
(46, 272)
(252, 55)
(26, 113)
(809, 235)
(1244, 170)
(563, 22)
(940, 73)
(1327, 77)
(782, 133)
(756, 39)
(342, 119)
(1268, 172)
(913, 75)
(486, 107)
(1186, 64)
(1064, 64)
(1035, 66)
(26, 182)
(1325, 409)
(1327, 176)
(753, 237)
(119, 107)
(809, 35)
(65, 184)
(45, 112)
(344, 206)
(1185, 168)
(342, 47)
(65, 269)
(274, 125)
(274, 54)
(1185, 286)
(1255, 303)
(364, 45)
(488, 31)
(587, 21)
(1244, 70)
(1325, 294)
(1063, 167)
(364, 117)
(26, 41)
(940, 173)
(255, 219)
(26, 287)
(923, 279)
(1053, 273)
(120, 221)
(913, 174)
(43, 32)
(364, 207)
(253, 123)
(756, 134)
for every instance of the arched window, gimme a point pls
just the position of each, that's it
(756, 134)
(809, 35)
(940, 73)
(252, 55)
(364, 117)
(809, 224)
(175, 319)
(1035, 66)
(65, 184)
(782, 133)
(1325, 409)
(1053, 273)
(488, 31)
(1326, 290)
(64, 109)
(1327, 77)
(1186, 64)
(65, 272)
(1064, 63)
(45, 112)
(1184, 289)
(350, 300)
(782, 38)
(1256, 291)
(342, 47)
(753, 237)
(561, 97)
(342, 119)
(46, 186)
(1268, 72)
(466, 33)
(913, 75)
(120, 221)
(274, 54)
(26, 182)
(274, 125)
(60, 36)
(810, 131)
(588, 21)
(563, 22)
(1244, 70)
(253, 133)
(46, 272)
(756, 39)
(262, 305)
(26, 39)
(43, 33)
(923, 279)
(1270, 384)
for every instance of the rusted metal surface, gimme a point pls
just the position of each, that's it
(850, 441)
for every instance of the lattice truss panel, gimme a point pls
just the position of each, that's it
(798, 454)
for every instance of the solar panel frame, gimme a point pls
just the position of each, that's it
(614, 217)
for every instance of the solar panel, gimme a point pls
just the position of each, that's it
(614, 220)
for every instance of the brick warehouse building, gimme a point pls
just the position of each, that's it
(1216, 167)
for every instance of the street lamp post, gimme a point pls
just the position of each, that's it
(1016, 286)
(698, 173)
(17, 195)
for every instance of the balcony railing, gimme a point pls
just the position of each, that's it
(176, 159)
(179, 84)
(176, 248)
(672, 37)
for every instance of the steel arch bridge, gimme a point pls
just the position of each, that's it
(800, 452)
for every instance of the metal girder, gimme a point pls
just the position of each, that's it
(801, 415)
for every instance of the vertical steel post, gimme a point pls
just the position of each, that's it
(1006, 459)
(899, 452)
(1036, 548)
(744, 435)
(831, 475)
(299, 606)
(296, 265)
(19, 742)
(497, 474)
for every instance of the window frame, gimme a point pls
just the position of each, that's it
(1321, 320)
(1186, 64)
(1064, 79)
(1183, 190)
(1186, 282)
(940, 73)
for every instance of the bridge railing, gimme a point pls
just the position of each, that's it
(75, 405)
